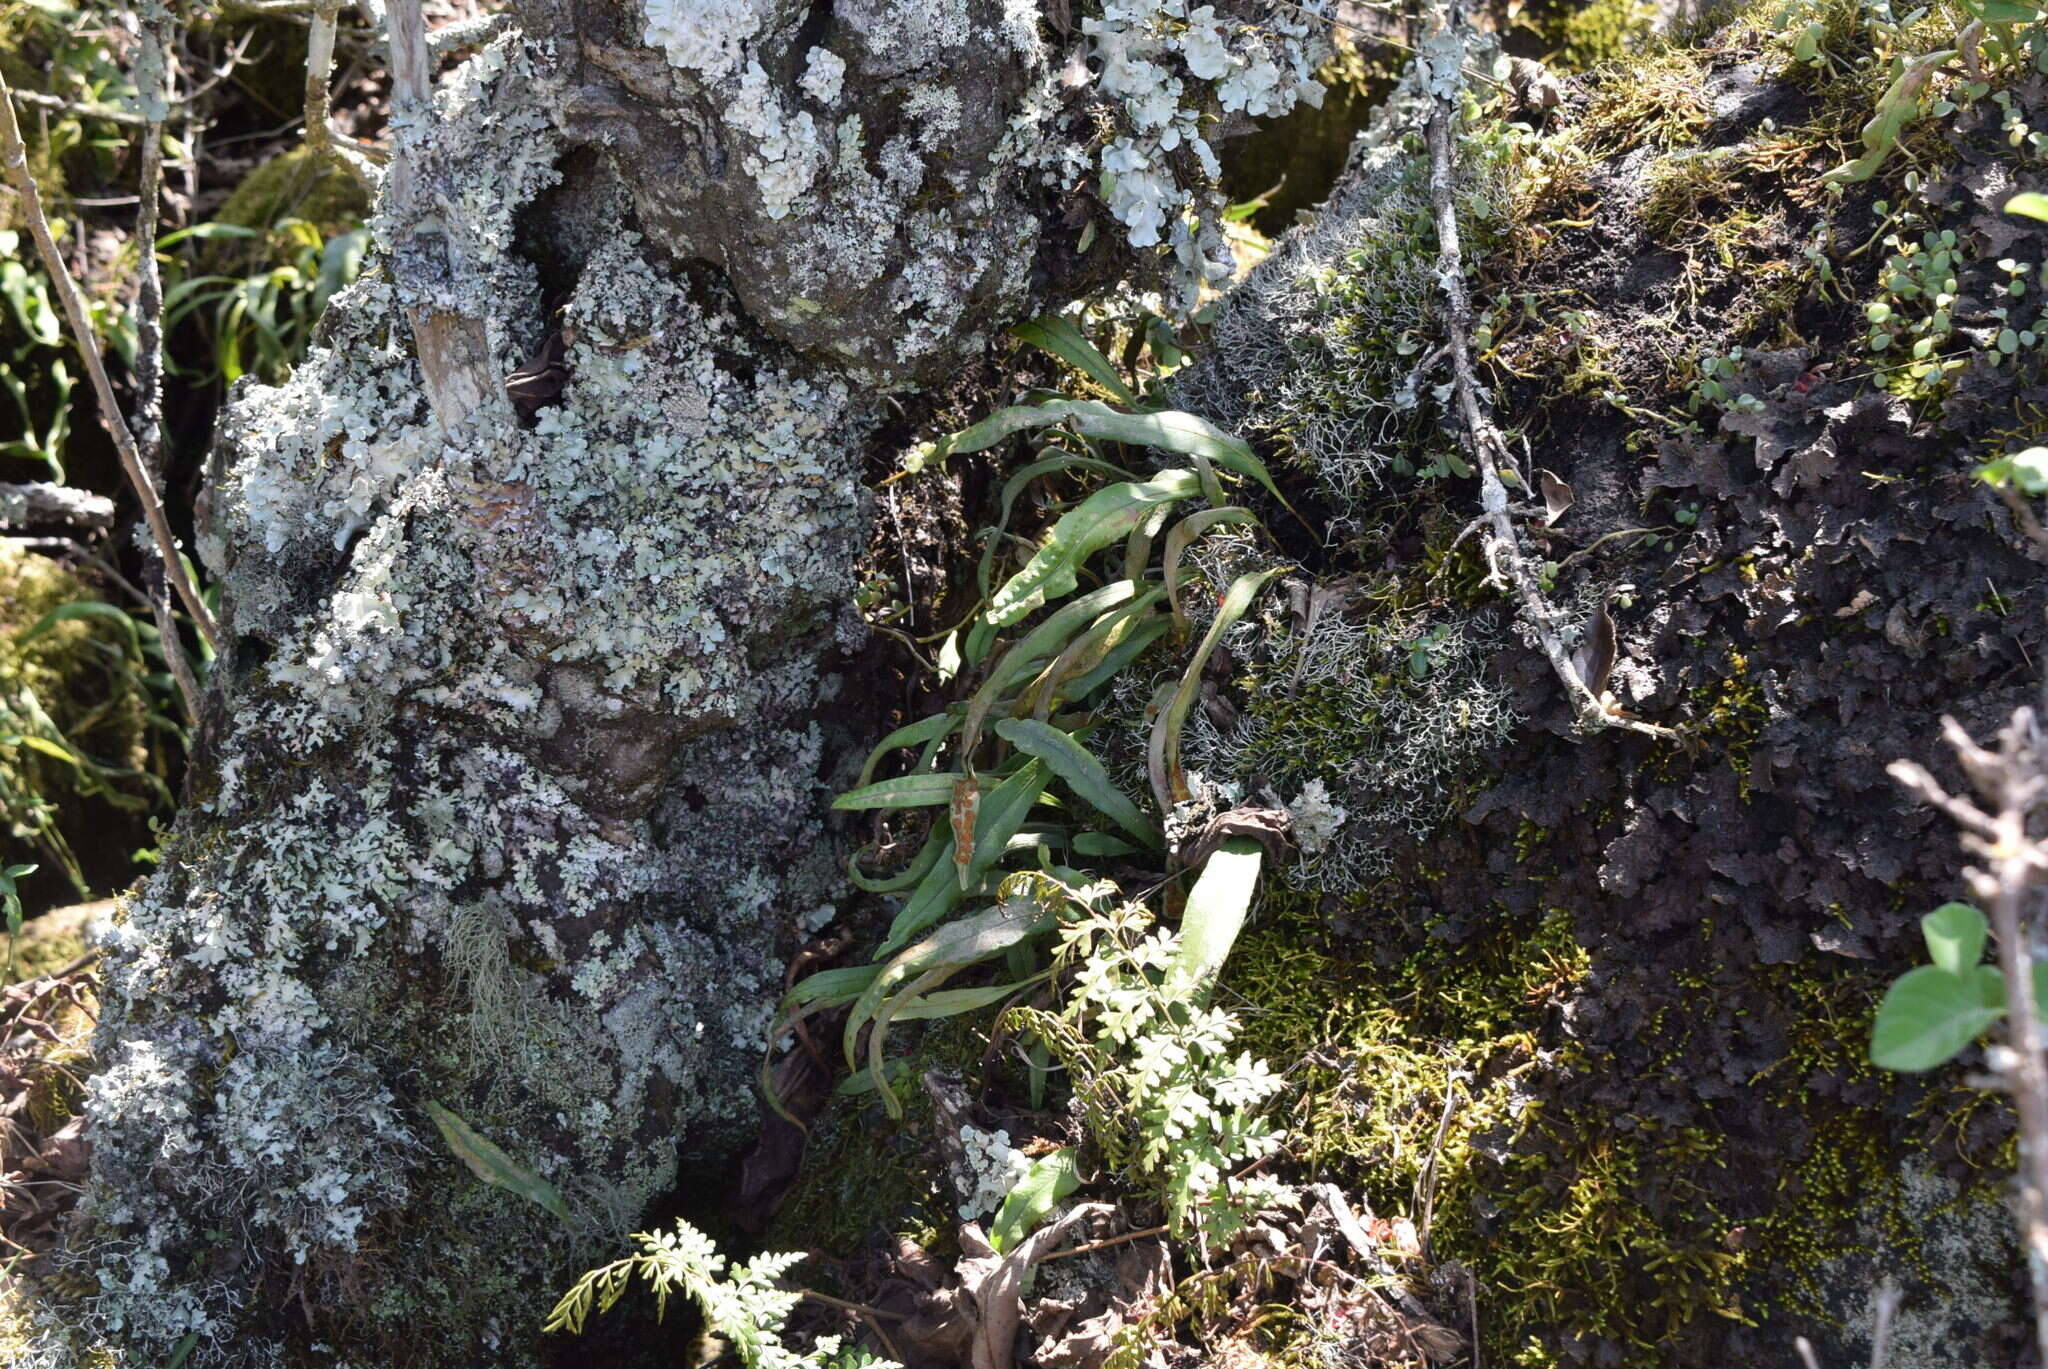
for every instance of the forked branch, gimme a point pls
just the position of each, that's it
(1506, 564)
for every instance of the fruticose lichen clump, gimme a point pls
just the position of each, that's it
(1325, 347)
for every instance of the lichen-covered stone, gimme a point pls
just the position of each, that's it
(511, 802)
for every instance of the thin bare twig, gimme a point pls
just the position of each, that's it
(1507, 565)
(153, 77)
(14, 166)
(320, 136)
(1104, 1243)
(2012, 788)
(1425, 1183)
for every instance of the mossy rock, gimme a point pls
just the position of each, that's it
(1638, 979)
(297, 184)
(79, 792)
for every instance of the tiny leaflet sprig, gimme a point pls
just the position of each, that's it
(745, 1307)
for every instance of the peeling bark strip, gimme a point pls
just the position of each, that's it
(454, 352)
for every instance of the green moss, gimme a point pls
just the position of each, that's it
(73, 697)
(294, 185)
(1604, 31)
(1579, 1222)
(1732, 711)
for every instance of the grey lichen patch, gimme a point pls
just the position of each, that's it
(513, 806)
(861, 207)
(1957, 1273)
(923, 162)
(1322, 348)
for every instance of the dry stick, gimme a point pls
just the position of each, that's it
(153, 73)
(320, 136)
(14, 165)
(1483, 440)
(2014, 781)
(454, 352)
(1105, 1243)
(1425, 1183)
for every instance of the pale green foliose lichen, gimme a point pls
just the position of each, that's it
(485, 827)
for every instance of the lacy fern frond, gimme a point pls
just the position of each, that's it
(746, 1308)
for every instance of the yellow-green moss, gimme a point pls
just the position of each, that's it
(292, 185)
(1577, 1223)
(1602, 31)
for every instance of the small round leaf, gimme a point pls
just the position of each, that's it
(1929, 1015)
(1955, 937)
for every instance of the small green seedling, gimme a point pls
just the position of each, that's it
(1931, 1013)
(11, 896)
(2027, 471)
(1041, 1189)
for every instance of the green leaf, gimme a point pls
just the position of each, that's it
(811, 995)
(1899, 105)
(1217, 907)
(937, 894)
(1955, 937)
(1177, 541)
(1163, 751)
(2027, 469)
(84, 608)
(2004, 11)
(1003, 813)
(916, 734)
(1085, 654)
(951, 948)
(1129, 649)
(1014, 486)
(1929, 1015)
(1061, 338)
(1041, 644)
(1103, 518)
(906, 791)
(953, 1002)
(1038, 1191)
(493, 1165)
(918, 868)
(2031, 203)
(182, 1351)
(1082, 773)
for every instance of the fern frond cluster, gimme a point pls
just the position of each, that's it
(745, 1307)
